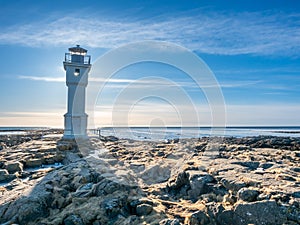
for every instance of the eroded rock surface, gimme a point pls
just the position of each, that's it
(239, 181)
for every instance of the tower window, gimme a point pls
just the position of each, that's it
(76, 72)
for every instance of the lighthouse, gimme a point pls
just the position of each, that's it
(77, 66)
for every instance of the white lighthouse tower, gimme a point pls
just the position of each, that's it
(77, 66)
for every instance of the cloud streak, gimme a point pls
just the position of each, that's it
(140, 83)
(47, 79)
(258, 33)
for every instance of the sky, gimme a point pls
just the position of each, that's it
(251, 47)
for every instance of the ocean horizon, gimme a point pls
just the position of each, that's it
(163, 133)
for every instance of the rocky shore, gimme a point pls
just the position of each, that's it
(220, 181)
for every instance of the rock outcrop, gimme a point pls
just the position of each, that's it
(245, 181)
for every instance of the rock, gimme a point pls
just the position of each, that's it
(296, 169)
(214, 209)
(13, 167)
(198, 184)
(2, 146)
(28, 209)
(266, 165)
(31, 211)
(232, 183)
(180, 180)
(137, 167)
(83, 176)
(199, 218)
(156, 174)
(169, 222)
(33, 204)
(200, 148)
(248, 195)
(250, 165)
(229, 198)
(84, 191)
(33, 162)
(264, 212)
(285, 177)
(108, 138)
(112, 207)
(63, 146)
(78, 193)
(132, 206)
(48, 187)
(113, 186)
(71, 158)
(293, 213)
(296, 194)
(225, 218)
(263, 196)
(5, 176)
(73, 220)
(86, 187)
(105, 186)
(143, 209)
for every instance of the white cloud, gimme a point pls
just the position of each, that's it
(261, 33)
(47, 79)
(140, 83)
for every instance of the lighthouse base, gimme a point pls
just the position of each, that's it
(75, 126)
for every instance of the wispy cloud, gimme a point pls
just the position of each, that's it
(147, 83)
(47, 79)
(260, 33)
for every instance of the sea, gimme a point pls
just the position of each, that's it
(18, 130)
(165, 133)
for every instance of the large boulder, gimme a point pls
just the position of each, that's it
(264, 212)
(27, 210)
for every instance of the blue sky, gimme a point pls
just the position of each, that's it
(252, 48)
